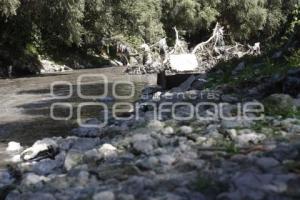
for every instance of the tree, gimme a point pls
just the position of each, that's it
(191, 16)
(61, 21)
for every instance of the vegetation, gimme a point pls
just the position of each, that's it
(84, 27)
(253, 71)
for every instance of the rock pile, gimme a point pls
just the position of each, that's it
(146, 158)
(51, 67)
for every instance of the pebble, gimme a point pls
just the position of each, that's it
(156, 125)
(152, 162)
(73, 159)
(186, 130)
(168, 131)
(108, 151)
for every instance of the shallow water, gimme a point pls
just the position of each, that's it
(25, 103)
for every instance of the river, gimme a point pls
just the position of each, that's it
(25, 103)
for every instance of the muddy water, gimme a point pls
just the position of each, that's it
(25, 103)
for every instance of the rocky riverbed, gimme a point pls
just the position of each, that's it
(167, 158)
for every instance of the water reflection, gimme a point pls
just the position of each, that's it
(25, 103)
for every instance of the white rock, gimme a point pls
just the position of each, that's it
(232, 133)
(186, 129)
(14, 147)
(33, 179)
(73, 159)
(247, 138)
(156, 125)
(107, 150)
(16, 159)
(45, 145)
(168, 130)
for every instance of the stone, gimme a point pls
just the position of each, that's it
(247, 137)
(73, 159)
(294, 129)
(14, 147)
(107, 195)
(144, 147)
(156, 125)
(157, 96)
(16, 159)
(186, 130)
(232, 133)
(167, 159)
(83, 178)
(209, 142)
(65, 144)
(33, 179)
(5, 178)
(241, 66)
(168, 131)
(267, 163)
(108, 151)
(92, 155)
(46, 148)
(148, 163)
(46, 167)
(285, 152)
(143, 144)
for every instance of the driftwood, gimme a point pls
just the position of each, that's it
(208, 54)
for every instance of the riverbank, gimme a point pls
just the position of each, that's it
(145, 158)
(25, 105)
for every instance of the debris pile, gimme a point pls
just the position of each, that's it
(203, 57)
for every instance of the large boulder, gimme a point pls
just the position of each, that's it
(279, 104)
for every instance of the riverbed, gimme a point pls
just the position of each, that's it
(25, 102)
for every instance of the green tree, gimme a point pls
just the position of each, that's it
(61, 21)
(191, 16)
